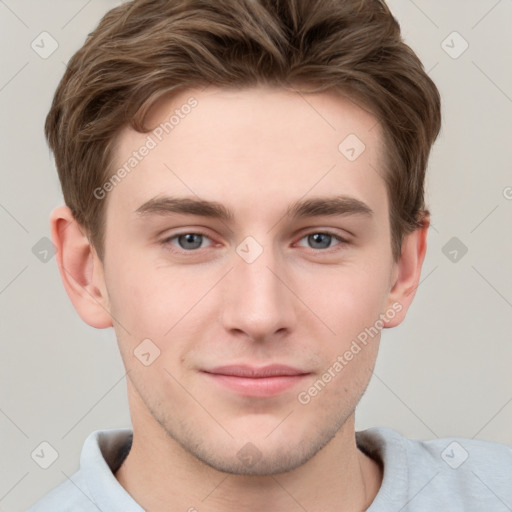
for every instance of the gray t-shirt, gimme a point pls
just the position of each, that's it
(452, 474)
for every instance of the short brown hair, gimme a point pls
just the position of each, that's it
(146, 48)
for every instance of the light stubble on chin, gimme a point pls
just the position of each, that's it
(275, 458)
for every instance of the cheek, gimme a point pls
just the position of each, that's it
(153, 300)
(137, 302)
(347, 298)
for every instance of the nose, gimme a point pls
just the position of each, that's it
(257, 301)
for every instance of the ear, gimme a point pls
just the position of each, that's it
(406, 274)
(80, 269)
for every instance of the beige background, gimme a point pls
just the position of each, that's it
(444, 372)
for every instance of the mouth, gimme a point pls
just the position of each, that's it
(256, 382)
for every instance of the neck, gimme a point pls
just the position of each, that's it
(160, 475)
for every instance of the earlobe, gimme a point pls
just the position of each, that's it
(406, 274)
(80, 269)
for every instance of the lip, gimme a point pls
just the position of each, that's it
(245, 370)
(258, 382)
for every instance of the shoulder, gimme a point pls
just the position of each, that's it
(71, 495)
(457, 451)
(466, 474)
(477, 473)
(94, 486)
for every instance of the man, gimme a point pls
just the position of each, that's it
(286, 141)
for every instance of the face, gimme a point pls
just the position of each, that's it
(272, 282)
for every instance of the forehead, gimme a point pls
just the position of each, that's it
(249, 147)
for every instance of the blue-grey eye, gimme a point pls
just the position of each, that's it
(190, 240)
(320, 240)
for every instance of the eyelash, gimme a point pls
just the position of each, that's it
(167, 241)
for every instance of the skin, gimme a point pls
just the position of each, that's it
(255, 151)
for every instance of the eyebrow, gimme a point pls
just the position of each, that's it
(314, 207)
